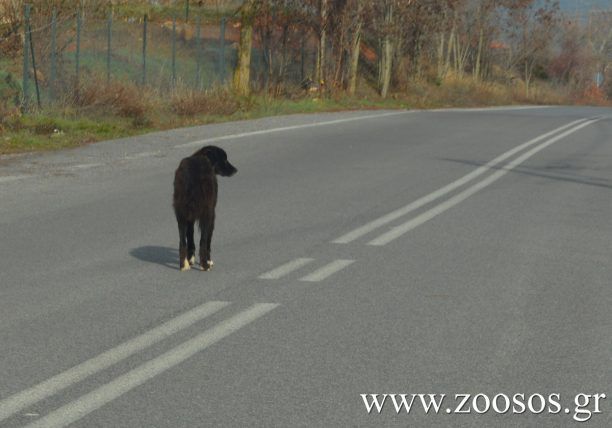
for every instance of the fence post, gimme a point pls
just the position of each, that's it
(53, 72)
(34, 66)
(78, 52)
(26, 65)
(302, 59)
(222, 51)
(144, 51)
(173, 82)
(109, 36)
(198, 80)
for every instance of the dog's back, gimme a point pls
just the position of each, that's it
(195, 188)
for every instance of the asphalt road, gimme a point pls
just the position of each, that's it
(443, 252)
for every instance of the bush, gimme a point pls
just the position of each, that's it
(10, 90)
(122, 99)
(10, 118)
(191, 103)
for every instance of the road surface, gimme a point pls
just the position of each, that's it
(440, 252)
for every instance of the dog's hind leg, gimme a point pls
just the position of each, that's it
(206, 225)
(190, 244)
(183, 262)
(209, 240)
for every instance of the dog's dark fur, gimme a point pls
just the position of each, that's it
(195, 198)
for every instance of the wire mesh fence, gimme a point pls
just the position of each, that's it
(67, 54)
(64, 54)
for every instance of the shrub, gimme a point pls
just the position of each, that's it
(122, 99)
(216, 101)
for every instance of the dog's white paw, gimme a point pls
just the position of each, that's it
(185, 266)
(207, 266)
(192, 260)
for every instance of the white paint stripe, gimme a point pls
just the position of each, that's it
(398, 231)
(287, 128)
(388, 218)
(141, 155)
(9, 178)
(327, 270)
(85, 165)
(480, 109)
(285, 269)
(13, 404)
(99, 397)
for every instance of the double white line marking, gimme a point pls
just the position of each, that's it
(398, 231)
(110, 391)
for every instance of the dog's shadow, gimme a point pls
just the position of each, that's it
(164, 256)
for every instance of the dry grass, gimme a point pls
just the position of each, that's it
(458, 91)
(101, 111)
(592, 96)
(118, 98)
(212, 102)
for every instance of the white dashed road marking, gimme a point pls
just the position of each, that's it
(286, 268)
(327, 270)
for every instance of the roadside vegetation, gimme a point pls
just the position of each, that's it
(366, 54)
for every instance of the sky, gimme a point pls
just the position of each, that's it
(584, 6)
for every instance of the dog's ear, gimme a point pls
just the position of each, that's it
(213, 155)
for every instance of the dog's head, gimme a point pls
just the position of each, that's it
(218, 159)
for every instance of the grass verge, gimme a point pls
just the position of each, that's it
(106, 113)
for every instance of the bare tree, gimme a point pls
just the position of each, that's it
(531, 31)
(357, 28)
(320, 75)
(599, 32)
(242, 73)
(386, 48)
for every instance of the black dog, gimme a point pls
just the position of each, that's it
(195, 198)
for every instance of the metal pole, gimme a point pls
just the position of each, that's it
(302, 58)
(144, 51)
(34, 66)
(222, 51)
(53, 73)
(109, 36)
(26, 65)
(78, 50)
(174, 50)
(198, 80)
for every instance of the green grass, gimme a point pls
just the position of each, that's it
(53, 130)
(48, 131)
